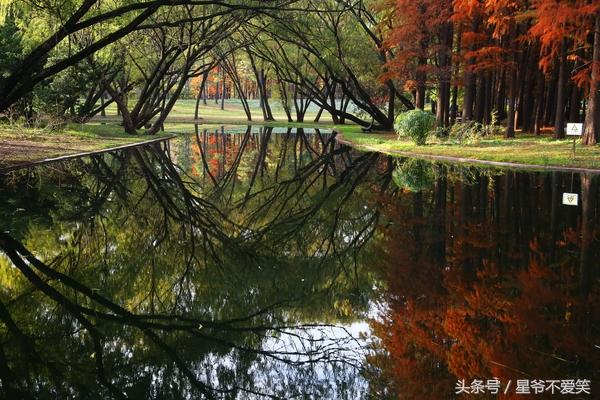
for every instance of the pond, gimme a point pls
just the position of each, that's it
(276, 263)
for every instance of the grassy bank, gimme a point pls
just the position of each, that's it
(525, 149)
(20, 145)
(233, 113)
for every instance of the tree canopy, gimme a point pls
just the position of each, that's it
(527, 64)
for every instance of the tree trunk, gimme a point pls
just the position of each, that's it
(592, 115)
(551, 99)
(223, 89)
(445, 63)
(574, 104)
(283, 93)
(588, 205)
(512, 100)
(421, 79)
(467, 113)
(103, 110)
(501, 97)
(200, 94)
(561, 96)
(469, 81)
(318, 116)
(128, 124)
(480, 99)
(527, 110)
(265, 96)
(539, 103)
(331, 96)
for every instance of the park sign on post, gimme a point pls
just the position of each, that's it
(570, 199)
(574, 130)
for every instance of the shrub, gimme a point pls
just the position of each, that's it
(442, 133)
(493, 128)
(466, 132)
(414, 175)
(471, 131)
(415, 124)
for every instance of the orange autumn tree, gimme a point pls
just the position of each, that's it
(563, 30)
(421, 40)
(528, 64)
(411, 329)
(491, 47)
(488, 307)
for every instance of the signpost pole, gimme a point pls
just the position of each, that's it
(574, 130)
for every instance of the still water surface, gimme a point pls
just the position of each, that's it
(261, 263)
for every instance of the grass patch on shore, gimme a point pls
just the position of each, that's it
(20, 145)
(524, 149)
(233, 113)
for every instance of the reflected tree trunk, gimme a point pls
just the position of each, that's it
(589, 194)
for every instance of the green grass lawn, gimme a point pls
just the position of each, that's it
(232, 113)
(20, 145)
(524, 149)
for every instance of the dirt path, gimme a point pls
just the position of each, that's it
(18, 153)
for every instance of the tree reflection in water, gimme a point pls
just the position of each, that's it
(244, 264)
(487, 275)
(234, 273)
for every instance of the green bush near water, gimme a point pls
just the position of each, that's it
(415, 124)
(414, 175)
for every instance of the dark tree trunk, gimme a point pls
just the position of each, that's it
(592, 115)
(260, 82)
(489, 98)
(551, 99)
(230, 69)
(331, 95)
(265, 96)
(480, 99)
(168, 105)
(200, 94)
(223, 89)
(456, 69)
(469, 81)
(103, 110)
(467, 113)
(501, 97)
(284, 98)
(561, 96)
(512, 99)
(528, 98)
(128, 124)
(539, 103)
(589, 192)
(574, 104)
(318, 117)
(421, 85)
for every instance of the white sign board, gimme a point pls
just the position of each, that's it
(574, 129)
(570, 199)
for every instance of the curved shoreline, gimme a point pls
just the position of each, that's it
(342, 140)
(498, 164)
(83, 154)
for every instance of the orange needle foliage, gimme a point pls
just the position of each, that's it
(464, 299)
